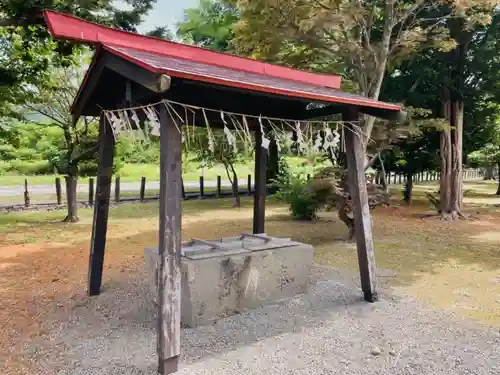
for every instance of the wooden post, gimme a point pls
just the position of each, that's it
(259, 198)
(91, 190)
(249, 184)
(219, 186)
(169, 272)
(400, 179)
(142, 192)
(27, 200)
(58, 191)
(117, 189)
(202, 187)
(101, 207)
(361, 210)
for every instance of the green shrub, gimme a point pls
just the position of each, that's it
(87, 168)
(31, 167)
(301, 196)
(7, 152)
(4, 167)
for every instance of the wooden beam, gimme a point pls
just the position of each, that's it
(156, 82)
(169, 278)
(103, 60)
(101, 207)
(89, 86)
(361, 210)
(329, 110)
(259, 199)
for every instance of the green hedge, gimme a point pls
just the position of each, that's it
(26, 167)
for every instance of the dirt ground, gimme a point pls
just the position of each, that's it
(43, 262)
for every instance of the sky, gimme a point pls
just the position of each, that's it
(167, 13)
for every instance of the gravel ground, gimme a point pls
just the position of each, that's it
(328, 331)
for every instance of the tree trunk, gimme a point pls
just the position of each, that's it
(408, 192)
(236, 193)
(383, 176)
(233, 178)
(272, 166)
(71, 199)
(489, 173)
(343, 206)
(445, 175)
(457, 117)
(498, 190)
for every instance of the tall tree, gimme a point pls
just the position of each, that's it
(50, 100)
(462, 29)
(466, 76)
(365, 39)
(210, 25)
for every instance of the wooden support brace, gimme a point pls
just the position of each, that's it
(361, 210)
(101, 207)
(169, 272)
(259, 199)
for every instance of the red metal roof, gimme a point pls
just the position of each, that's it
(64, 26)
(183, 68)
(179, 60)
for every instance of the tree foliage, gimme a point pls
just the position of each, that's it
(210, 25)
(27, 49)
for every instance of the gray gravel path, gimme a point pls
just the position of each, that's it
(328, 331)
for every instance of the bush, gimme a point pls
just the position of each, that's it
(4, 167)
(304, 198)
(31, 167)
(87, 168)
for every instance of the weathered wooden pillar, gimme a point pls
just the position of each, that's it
(272, 167)
(169, 272)
(361, 210)
(101, 207)
(259, 198)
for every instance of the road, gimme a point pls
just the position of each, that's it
(17, 190)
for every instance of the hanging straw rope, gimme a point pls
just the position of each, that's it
(311, 135)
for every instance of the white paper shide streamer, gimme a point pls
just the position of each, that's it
(310, 137)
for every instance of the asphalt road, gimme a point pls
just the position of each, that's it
(17, 190)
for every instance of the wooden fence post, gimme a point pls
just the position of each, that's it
(202, 187)
(58, 191)
(249, 184)
(142, 192)
(27, 200)
(219, 186)
(117, 189)
(91, 190)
